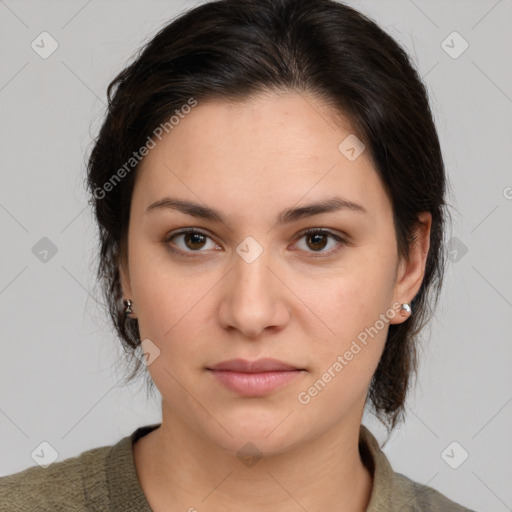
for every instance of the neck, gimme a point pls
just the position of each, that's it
(180, 470)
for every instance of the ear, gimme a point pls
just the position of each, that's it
(125, 281)
(411, 271)
(126, 289)
(124, 273)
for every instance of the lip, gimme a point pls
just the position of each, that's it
(257, 366)
(254, 378)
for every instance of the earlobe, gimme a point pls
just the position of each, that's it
(127, 294)
(412, 270)
(124, 278)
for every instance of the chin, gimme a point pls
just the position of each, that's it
(264, 430)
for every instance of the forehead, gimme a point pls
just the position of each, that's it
(288, 126)
(267, 148)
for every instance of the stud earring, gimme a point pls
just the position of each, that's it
(127, 306)
(405, 309)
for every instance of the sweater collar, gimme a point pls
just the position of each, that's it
(124, 487)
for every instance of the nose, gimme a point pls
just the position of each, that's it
(253, 299)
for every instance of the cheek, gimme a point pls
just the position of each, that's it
(356, 297)
(163, 295)
(344, 362)
(172, 313)
(355, 305)
(169, 316)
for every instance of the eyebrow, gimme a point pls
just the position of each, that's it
(285, 217)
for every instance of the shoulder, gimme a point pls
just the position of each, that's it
(72, 485)
(422, 498)
(394, 491)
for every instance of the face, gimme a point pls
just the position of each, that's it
(247, 284)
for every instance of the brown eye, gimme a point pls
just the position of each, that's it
(189, 241)
(316, 241)
(194, 240)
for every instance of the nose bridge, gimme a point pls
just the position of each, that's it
(252, 274)
(252, 300)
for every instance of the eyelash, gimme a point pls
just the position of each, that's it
(310, 231)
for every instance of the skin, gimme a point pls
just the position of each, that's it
(302, 301)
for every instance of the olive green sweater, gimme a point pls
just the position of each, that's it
(105, 479)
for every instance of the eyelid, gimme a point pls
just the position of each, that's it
(182, 231)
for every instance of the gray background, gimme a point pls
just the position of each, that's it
(60, 375)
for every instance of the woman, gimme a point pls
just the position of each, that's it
(269, 189)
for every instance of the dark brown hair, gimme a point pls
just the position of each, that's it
(230, 49)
